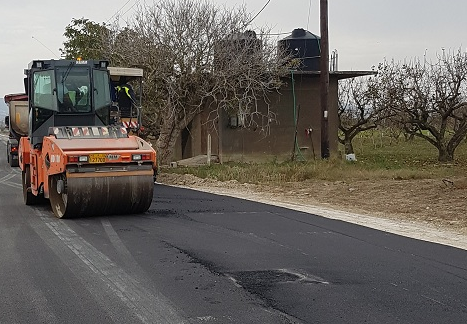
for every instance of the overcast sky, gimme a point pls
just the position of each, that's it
(364, 32)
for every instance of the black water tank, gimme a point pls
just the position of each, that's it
(303, 45)
(244, 46)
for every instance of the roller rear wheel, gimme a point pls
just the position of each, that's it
(28, 197)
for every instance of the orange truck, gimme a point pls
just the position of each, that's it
(74, 155)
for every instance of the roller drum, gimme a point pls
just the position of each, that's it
(103, 195)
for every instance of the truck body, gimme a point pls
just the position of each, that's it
(73, 154)
(17, 123)
(130, 119)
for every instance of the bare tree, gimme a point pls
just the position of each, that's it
(429, 100)
(197, 56)
(359, 108)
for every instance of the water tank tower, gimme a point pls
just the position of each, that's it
(305, 47)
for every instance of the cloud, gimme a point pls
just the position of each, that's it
(364, 32)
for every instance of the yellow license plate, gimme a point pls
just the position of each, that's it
(97, 158)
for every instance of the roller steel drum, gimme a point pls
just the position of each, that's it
(100, 195)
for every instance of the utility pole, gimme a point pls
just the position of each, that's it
(324, 78)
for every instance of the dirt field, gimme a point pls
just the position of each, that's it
(432, 210)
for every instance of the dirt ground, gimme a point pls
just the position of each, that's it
(433, 210)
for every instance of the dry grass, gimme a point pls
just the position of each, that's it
(406, 160)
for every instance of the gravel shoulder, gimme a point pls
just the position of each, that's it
(433, 210)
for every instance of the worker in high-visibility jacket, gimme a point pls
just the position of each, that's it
(126, 99)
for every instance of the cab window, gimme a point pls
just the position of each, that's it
(43, 90)
(73, 89)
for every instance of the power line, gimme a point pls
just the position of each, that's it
(274, 34)
(258, 12)
(45, 46)
(309, 11)
(116, 12)
(137, 1)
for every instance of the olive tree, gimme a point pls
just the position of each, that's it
(85, 38)
(429, 99)
(359, 108)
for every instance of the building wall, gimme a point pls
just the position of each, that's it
(276, 141)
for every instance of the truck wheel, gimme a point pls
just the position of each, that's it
(13, 162)
(29, 198)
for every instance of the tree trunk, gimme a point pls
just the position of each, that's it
(409, 137)
(170, 130)
(348, 146)
(166, 146)
(445, 154)
(166, 141)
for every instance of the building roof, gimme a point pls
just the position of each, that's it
(126, 72)
(339, 74)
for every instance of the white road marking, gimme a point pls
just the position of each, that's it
(4, 180)
(148, 307)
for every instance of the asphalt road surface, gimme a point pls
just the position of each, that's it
(200, 258)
